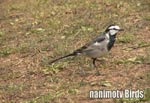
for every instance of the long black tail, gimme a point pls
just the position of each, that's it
(71, 54)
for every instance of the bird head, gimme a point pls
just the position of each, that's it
(113, 29)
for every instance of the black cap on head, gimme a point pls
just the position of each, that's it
(113, 27)
(107, 29)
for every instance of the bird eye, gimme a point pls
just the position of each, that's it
(113, 29)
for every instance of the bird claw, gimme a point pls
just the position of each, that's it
(97, 73)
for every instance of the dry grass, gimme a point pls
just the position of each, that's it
(36, 31)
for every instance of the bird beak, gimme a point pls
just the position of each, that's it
(121, 29)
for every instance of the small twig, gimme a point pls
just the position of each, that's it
(137, 47)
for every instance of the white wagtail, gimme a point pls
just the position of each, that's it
(98, 47)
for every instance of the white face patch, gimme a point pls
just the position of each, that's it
(115, 27)
(113, 32)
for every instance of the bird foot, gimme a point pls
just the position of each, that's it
(97, 73)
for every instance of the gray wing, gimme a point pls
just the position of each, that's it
(87, 47)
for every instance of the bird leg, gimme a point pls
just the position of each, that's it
(94, 60)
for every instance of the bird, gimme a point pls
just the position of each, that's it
(97, 47)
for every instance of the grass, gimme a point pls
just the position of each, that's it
(127, 38)
(34, 32)
(5, 52)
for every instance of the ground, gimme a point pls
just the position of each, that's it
(34, 32)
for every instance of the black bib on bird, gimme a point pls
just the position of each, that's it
(112, 39)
